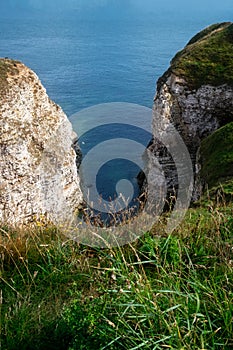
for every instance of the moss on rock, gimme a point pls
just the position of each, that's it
(207, 58)
(216, 153)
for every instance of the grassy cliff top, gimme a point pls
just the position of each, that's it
(217, 158)
(207, 58)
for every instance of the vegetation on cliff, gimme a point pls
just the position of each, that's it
(207, 58)
(165, 291)
(216, 153)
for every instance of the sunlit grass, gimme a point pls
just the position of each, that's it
(207, 58)
(161, 292)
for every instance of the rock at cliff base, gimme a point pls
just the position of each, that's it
(38, 173)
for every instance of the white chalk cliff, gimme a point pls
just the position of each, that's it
(196, 96)
(38, 173)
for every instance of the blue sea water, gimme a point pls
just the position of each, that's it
(84, 62)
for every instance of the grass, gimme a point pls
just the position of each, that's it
(217, 157)
(162, 292)
(207, 59)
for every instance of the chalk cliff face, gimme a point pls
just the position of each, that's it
(38, 173)
(196, 96)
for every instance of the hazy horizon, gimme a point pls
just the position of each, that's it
(113, 8)
(119, 47)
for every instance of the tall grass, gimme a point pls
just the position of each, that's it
(162, 292)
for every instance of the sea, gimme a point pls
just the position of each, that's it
(84, 62)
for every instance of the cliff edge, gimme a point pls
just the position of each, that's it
(196, 95)
(38, 173)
